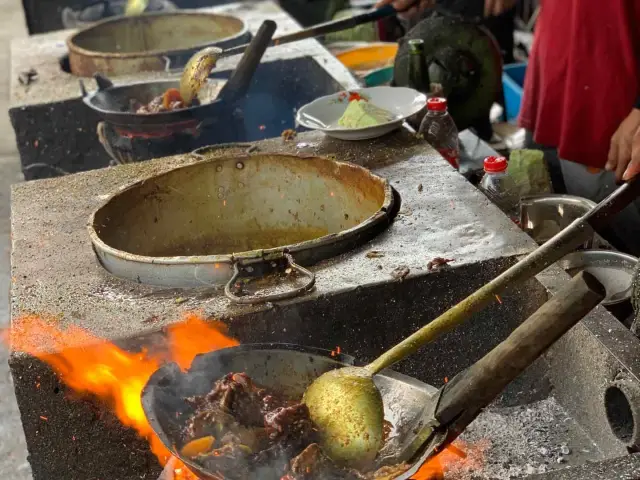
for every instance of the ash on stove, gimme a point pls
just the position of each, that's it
(524, 440)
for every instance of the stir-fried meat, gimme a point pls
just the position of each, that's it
(169, 101)
(255, 433)
(312, 464)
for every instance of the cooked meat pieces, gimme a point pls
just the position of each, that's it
(313, 464)
(260, 434)
(267, 428)
(167, 102)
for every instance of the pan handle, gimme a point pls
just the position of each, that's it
(470, 391)
(248, 270)
(102, 81)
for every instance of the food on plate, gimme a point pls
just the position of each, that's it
(167, 102)
(361, 113)
(240, 430)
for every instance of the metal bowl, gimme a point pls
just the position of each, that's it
(613, 269)
(543, 216)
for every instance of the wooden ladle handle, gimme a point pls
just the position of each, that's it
(477, 386)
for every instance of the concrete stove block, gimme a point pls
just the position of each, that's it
(56, 273)
(56, 132)
(357, 304)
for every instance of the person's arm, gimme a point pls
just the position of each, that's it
(634, 165)
(497, 7)
(620, 148)
(491, 7)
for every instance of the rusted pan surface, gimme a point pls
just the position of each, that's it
(188, 227)
(150, 42)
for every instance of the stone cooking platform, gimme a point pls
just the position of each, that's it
(446, 217)
(56, 132)
(357, 303)
(55, 273)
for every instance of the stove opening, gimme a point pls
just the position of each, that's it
(619, 414)
(65, 66)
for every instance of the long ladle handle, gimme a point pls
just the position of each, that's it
(325, 28)
(553, 250)
(241, 77)
(476, 387)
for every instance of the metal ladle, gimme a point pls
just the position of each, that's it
(197, 70)
(345, 403)
(199, 67)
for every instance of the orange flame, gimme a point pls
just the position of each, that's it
(92, 365)
(456, 459)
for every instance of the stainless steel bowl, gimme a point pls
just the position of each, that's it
(542, 216)
(613, 269)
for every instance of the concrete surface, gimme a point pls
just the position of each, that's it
(441, 216)
(357, 303)
(13, 453)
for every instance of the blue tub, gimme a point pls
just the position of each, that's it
(512, 83)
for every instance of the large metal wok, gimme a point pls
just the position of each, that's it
(424, 418)
(215, 100)
(287, 368)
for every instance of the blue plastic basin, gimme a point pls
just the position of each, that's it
(512, 83)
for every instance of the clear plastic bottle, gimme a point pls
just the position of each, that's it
(439, 130)
(500, 187)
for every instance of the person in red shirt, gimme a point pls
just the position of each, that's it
(582, 99)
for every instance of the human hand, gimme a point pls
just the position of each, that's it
(497, 7)
(620, 149)
(408, 9)
(634, 166)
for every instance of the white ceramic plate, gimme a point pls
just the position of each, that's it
(323, 114)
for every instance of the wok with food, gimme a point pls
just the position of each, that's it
(239, 410)
(148, 106)
(244, 412)
(141, 106)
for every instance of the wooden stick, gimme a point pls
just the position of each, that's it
(476, 387)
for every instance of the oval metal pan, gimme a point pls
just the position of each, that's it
(187, 227)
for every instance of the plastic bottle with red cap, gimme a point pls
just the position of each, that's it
(499, 186)
(439, 130)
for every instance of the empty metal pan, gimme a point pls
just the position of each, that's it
(231, 219)
(614, 270)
